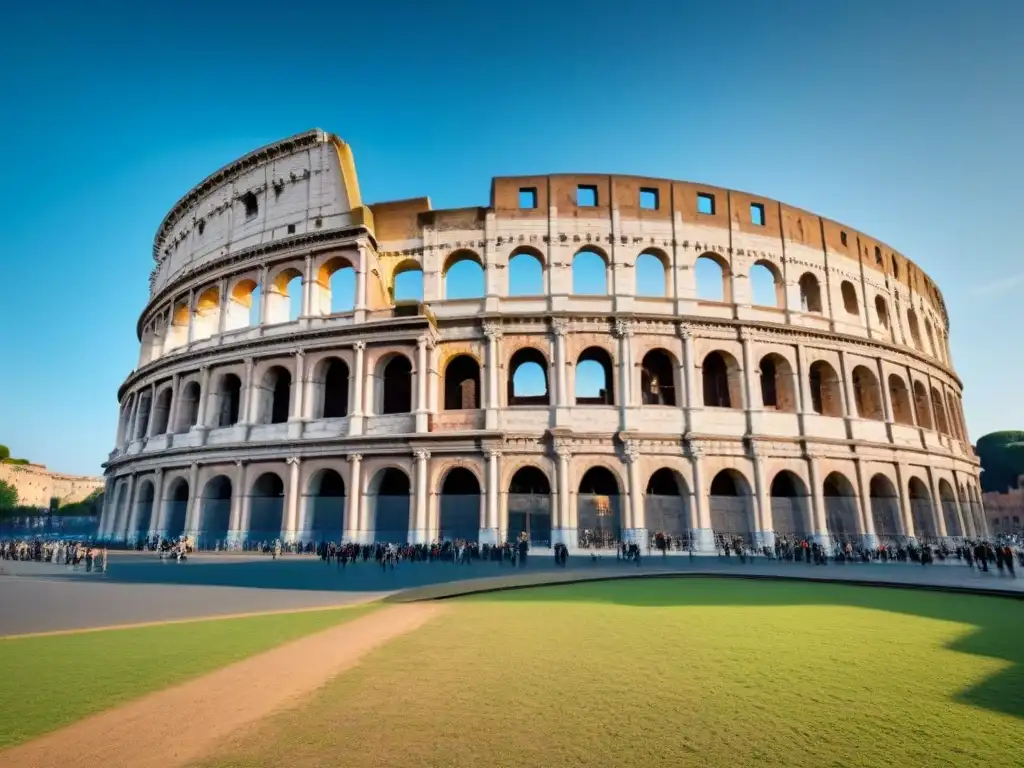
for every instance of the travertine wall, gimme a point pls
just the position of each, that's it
(37, 485)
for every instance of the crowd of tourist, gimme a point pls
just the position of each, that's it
(73, 554)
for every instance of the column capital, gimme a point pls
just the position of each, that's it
(563, 449)
(494, 453)
(249, 361)
(354, 457)
(560, 326)
(685, 332)
(623, 328)
(239, 463)
(158, 473)
(204, 370)
(193, 468)
(493, 331)
(631, 450)
(293, 461)
(421, 454)
(696, 449)
(300, 353)
(756, 450)
(359, 346)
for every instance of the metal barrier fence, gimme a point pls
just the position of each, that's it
(49, 527)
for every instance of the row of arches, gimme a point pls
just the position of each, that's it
(667, 505)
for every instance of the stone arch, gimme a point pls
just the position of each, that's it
(388, 503)
(914, 328)
(529, 506)
(176, 507)
(826, 389)
(882, 312)
(716, 282)
(599, 508)
(778, 390)
(406, 282)
(142, 418)
(885, 508)
(335, 286)
(526, 272)
(284, 296)
(657, 378)
(206, 317)
(732, 510)
(921, 509)
(144, 503)
(842, 518)
(900, 399)
(594, 370)
(330, 388)
(949, 510)
(722, 380)
(466, 267)
(930, 335)
(528, 378)
(938, 408)
(867, 395)
(215, 512)
(954, 421)
(188, 408)
(767, 288)
(460, 504)
(790, 501)
(274, 398)
(394, 390)
(849, 294)
(652, 266)
(228, 399)
(666, 508)
(266, 507)
(325, 506)
(586, 263)
(922, 406)
(810, 293)
(461, 383)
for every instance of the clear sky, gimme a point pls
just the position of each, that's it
(903, 119)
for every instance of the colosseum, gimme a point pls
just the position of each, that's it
(729, 366)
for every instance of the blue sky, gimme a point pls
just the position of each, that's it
(901, 119)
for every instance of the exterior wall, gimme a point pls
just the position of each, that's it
(863, 430)
(37, 485)
(1005, 511)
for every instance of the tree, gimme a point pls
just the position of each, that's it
(5, 452)
(1002, 460)
(8, 495)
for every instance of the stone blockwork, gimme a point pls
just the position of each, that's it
(38, 487)
(266, 404)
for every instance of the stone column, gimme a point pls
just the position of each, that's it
(360, 306)
(688, 376)
(624, 331)
(133, 419)
(264, 293)
(965, 531)
(636, 520)
(156, 518)
(906, 515)
(127, 525)
(867, 518)
(356, 416)
(191, 316)
(236, 535)
(152, 410)
(194, 513)
(765, 534)
(493, 332)
(489, 534)
(750, 382)
(703, 536)
(307, 288)
(562, 399)
(803, 375)
(422, 420)
(354, 523)
(818, 514)
(222, 312)
(567, 532)
(298, 393)
(419, 534)
(245, 407)
(292, 500)
(883, 383)
(850, 398)
(172, 416)
(204, 397)
(940, 518)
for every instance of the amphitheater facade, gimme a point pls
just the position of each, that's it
(268, 404)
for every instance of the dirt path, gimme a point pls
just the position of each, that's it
(178, 725)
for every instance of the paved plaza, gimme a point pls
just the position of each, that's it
(137, 588)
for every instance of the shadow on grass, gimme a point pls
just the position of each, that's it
(999, 621)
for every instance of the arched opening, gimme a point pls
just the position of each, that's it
(229, 395)
(826, 391)
(389, 500)
(915, 331)
(732, 511)
(866, 394)
(921, 510)
(528, 378)
(275, 395)
(215, 512)
(589, 273)
(284, 297)
(243, 305)
(325, 507)
(766, 286)
(885, 509)
(882, 312)
(334, 398)
(850, 303)
(177, 333)
(176, 508)
(651, 275)
(143, 510)
(266, 508)
(720, 374)
(841, 517)
(598, 509)
(900, 399)
(594, 377)
(460, 506)
(463, 276)
(408, 282)
(922, 407)
(941, 423)
(142, 418)
(396, 385)
(778, 391)
(810, 293)
(188, 408)
(791, 513)
(949, 510)
(525, 274)
(119, 529)
(665, 509)
(712, 277)
(207, 314)
(529, 507)
(930, 335)
(954, 418)
(657, 378)
(461, 384)
(336, 286)
(124, 422)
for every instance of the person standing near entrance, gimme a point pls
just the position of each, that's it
(524, 548)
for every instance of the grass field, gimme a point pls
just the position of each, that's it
(675, 672)
(50, 681)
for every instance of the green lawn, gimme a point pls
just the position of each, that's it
(50, 681)
(675, 672)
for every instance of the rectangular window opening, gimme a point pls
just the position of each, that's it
(842, 238)
(648, 199)
(706, 203)
(528, 197)
(586, 196)
(291, 229)
(757, 214)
